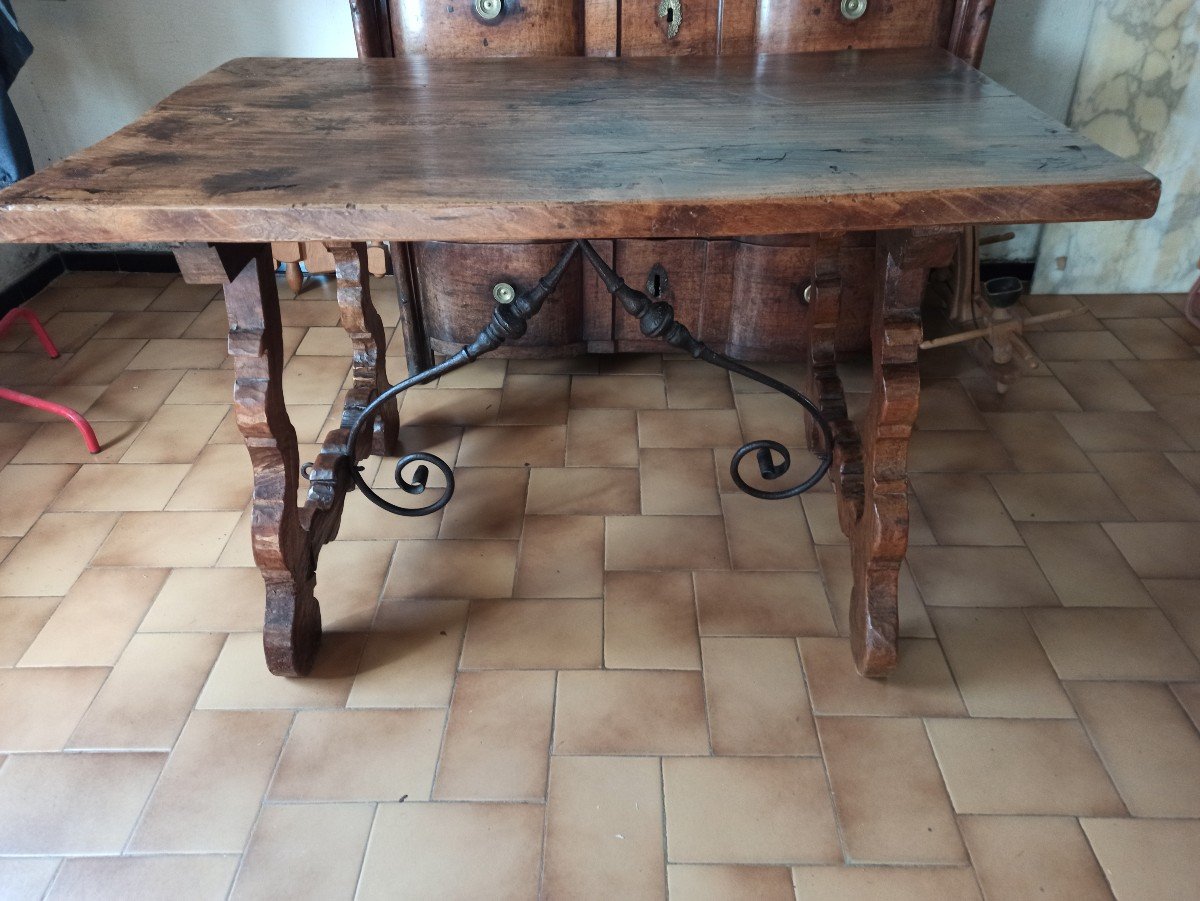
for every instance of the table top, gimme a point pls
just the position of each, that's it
(523, 149)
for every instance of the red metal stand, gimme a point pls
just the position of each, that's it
(28, 400)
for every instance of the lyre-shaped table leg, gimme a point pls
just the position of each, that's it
(282, 546)
(879, 537)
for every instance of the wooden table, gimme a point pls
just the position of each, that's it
(912, 144)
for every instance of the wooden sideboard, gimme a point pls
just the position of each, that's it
(447, 287)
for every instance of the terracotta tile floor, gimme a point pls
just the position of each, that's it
(599, 673)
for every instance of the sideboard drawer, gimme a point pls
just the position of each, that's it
(669, 27)
(800, 26)
(669, 270)
(455, 283)
(474, 28)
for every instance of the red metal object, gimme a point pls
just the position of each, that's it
(28, 400)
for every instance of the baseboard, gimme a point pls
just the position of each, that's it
(31, 283)
(118, 261)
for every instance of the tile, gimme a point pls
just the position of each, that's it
(957, 451)
(359, 755)
(1183, 415)
(604, 829)
(149, 694)
(617, 392)
(1058, 497)
(1188, 464)
(838, 573)
(443, 441)
(1083, 565)
(40, 707)
(998, 664)
(534, 399)
(453, 851)
(146, 324)
(630, 712)
(459, 407)
(240, 679)
(180, 353)
(1158, 550)
(688, 428)
(362, 520)
(534, 634)
(305, 849)
(95, 620)
(119, 487)
(1162, 378)
(678, 480)
(583, 490)
(1178, 599)
(452, 569)
(963, 509)
(884, 883)
(497, 739)
(316, 380)
(1149, 486)
(28, 491)
(208, 600)
(23, 619)
(1146, 859)
(166, 539)
(561, 557)
(1028, 857)
(650, 621)
(73, 803)
(920, 685)
(702, 882)
(325, 341)
(212, 786)
(771, 810)
(602, 438)
(946, 405)
(179, 295)
(1052, 346)
(167, 876)
(1032, 767)
(1037, 442)
(979, 577)
(13, 436)
(53, 553)
(212, 322)
(1100, 432)
(201, 386)
(1099, 388)
(630, 363)
(513, 445)
(487, 503)
(1113, 643)
(695, 385)
(411, 655)
(1026, 395)
(26, 877)
(891, 804)
(757, 700)
(1147, 743)
(762, 604)
(220, 479)
(101, 361)
(307, 313)
(1119, 306)
(175, 434)
(76, 397)
(765, 535)
(665, 542)
(70, 331)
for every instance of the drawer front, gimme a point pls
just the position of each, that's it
(684, 27)
(669, 270)
(798, 26)
(479, 28)
(768, 316)
(455, 283)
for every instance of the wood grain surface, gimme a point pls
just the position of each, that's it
(520, 149)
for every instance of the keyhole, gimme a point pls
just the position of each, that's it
(670, 15)
(656, 281)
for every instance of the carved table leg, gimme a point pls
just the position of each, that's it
(282, 547)
(870, 473)
(412, 323)
(365, 328)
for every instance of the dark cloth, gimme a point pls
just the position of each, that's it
(15, 49)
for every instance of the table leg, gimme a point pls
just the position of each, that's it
(412, 323)
(870, 465)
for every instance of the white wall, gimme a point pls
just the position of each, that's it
(99, 64)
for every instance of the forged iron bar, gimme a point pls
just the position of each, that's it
(657, 320)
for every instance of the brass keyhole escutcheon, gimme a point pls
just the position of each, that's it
(656, 281)
(672, 11)
(489, 9)
(854, 9)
